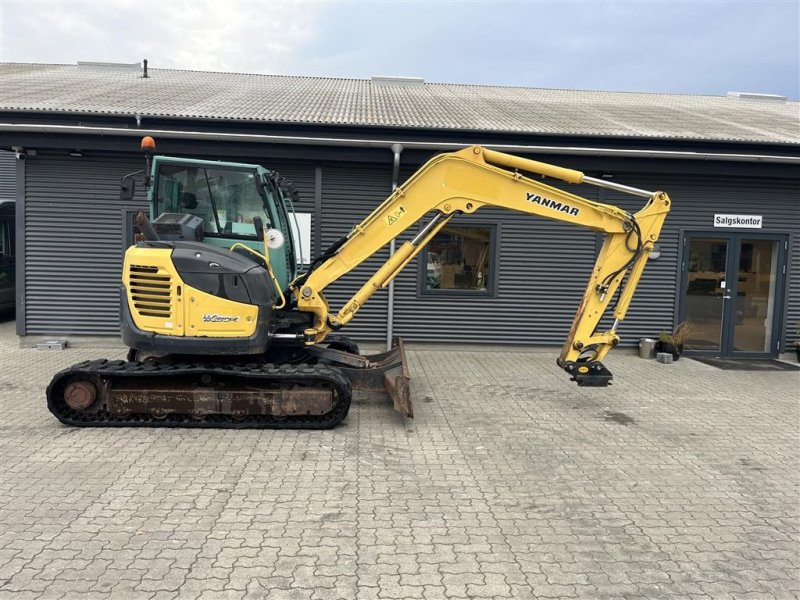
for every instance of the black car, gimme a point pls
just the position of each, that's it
(7, 262)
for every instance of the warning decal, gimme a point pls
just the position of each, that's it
(393, 216)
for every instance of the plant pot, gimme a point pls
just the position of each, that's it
(674, 349)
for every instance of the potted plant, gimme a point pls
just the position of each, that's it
(672, 341)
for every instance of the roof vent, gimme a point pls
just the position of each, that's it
(398, 81)
(108, 65)
(756, 96)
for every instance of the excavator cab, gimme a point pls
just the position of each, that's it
(211, 265)
(230, 198)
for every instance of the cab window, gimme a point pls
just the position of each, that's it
(226, 199)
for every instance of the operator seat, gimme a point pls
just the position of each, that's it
(188, 200)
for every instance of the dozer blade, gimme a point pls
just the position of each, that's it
(376, 374)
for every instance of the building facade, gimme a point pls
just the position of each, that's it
(729, 250)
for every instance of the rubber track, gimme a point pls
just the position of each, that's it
(106, 370)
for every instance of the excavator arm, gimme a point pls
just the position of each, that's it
(465, 181)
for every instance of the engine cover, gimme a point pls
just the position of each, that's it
(193, 298)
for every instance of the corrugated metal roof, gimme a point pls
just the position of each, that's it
(106, 89)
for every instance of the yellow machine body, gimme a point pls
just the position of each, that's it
(161, 302)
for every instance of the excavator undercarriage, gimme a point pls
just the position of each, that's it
(314, 392)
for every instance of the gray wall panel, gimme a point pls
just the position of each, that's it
(74, 232)
(793, 295)
(73, 250)
(543, 268)
(544, 265)
(299, 173)
(695, 201)
(8, 175)
(349, 194)
(73, 253)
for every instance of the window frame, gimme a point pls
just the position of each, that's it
(491, 290)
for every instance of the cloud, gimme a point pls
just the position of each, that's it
(202, 35)
(680, 47)
(228, 36)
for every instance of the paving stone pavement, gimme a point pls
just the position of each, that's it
(679, 481)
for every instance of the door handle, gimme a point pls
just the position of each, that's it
(726, 297)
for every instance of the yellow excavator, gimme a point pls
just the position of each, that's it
(224, 331)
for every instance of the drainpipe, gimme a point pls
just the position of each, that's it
(397, 149)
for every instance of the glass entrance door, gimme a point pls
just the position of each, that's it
(732, 293)
(756, 287)
(705, 293)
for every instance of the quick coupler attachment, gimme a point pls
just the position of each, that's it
(592, 373)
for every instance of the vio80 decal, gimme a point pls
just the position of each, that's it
(212, 318)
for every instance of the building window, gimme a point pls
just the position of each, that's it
(460, 259)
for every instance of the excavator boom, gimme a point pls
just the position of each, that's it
(466, 181)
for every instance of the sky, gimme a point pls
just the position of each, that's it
(700, 47)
